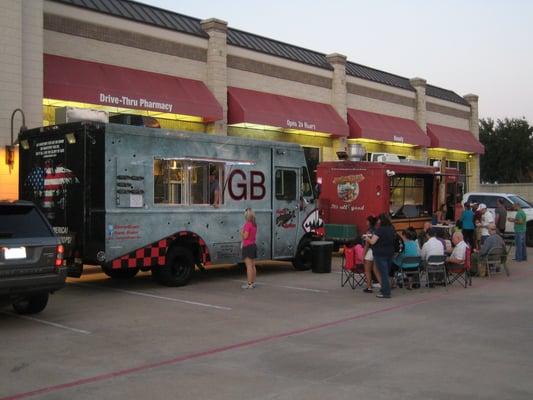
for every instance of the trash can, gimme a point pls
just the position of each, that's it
(321, 256)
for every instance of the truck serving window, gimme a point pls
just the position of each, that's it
(169, 182)
(188, 182)
(409, 196)
(285, 184)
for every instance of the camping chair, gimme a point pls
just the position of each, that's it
(407, 269)
(460, 272)
(433, 266)
(352, 273)
(496, 258)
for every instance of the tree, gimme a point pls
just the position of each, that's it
(508, 154)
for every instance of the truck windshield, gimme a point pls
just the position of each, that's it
(519, 200)
(22, 222)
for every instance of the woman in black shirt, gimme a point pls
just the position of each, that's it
(382, 242)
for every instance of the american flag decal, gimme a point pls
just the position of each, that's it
(50, 183)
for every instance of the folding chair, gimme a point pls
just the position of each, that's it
(407, 268)
(433, 266)
(496, 258)
(460, 272)
(352, 273)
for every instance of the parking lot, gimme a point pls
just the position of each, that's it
(298, 335)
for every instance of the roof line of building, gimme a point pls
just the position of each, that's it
(254, 42)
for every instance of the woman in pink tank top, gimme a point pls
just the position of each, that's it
(249, 247)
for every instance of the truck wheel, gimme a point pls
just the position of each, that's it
(122, 273)
(178, 269)
(31, 304)
(302, 259)
(529, 235)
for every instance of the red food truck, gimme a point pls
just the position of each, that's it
(410, 191)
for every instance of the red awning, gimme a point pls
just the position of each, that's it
(90, 82)
(250, 106)
(454, 139)
(369, 125)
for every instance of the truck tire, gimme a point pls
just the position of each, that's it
(302, 259)
(529, 235)
(178, 269)
(32, 304)
(120, 274)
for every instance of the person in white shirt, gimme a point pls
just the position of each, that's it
(487, 218)
(458, 255)
(433, 247)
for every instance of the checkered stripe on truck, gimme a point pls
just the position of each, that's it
(155, 253)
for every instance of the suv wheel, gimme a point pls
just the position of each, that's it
(178, 269)
(31, 304)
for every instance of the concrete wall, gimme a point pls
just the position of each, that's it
(523, 189)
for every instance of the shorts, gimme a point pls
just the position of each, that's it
(249, 251)
(369, 256)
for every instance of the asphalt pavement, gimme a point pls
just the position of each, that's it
(298, 335)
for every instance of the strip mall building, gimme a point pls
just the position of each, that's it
(201, 75)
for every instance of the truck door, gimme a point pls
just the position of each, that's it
(285, 211)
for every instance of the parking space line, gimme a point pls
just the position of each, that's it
(42, 321)
(154, 296)
(249, 343)
(284, 286)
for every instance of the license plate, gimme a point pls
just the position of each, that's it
(14, 253)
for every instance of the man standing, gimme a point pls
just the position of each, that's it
(501, 216)
(519, 233)
(214, 189)
(486, 219)
(467, 223)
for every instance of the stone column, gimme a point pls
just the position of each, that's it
(419, 85)
(338, 91)
(473, 122)
(21, 81)
(217, 79)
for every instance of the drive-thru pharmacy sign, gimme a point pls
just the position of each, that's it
(128, 102)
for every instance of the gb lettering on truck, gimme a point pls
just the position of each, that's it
(139, 198)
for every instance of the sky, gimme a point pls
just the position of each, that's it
(468, 46)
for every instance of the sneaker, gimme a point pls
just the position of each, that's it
(248, 286)
(382, 296)
(376, 286)
(367, 290)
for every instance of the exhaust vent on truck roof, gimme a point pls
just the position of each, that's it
(134, 119)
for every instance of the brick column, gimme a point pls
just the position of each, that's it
(338, 91)
(216, 79)
(473, 122)
(419, 85)
(21, 82)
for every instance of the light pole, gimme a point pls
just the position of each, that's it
(10, 148)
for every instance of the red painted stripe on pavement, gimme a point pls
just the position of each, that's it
(264, 339)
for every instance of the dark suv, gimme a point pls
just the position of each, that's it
(31, 258)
